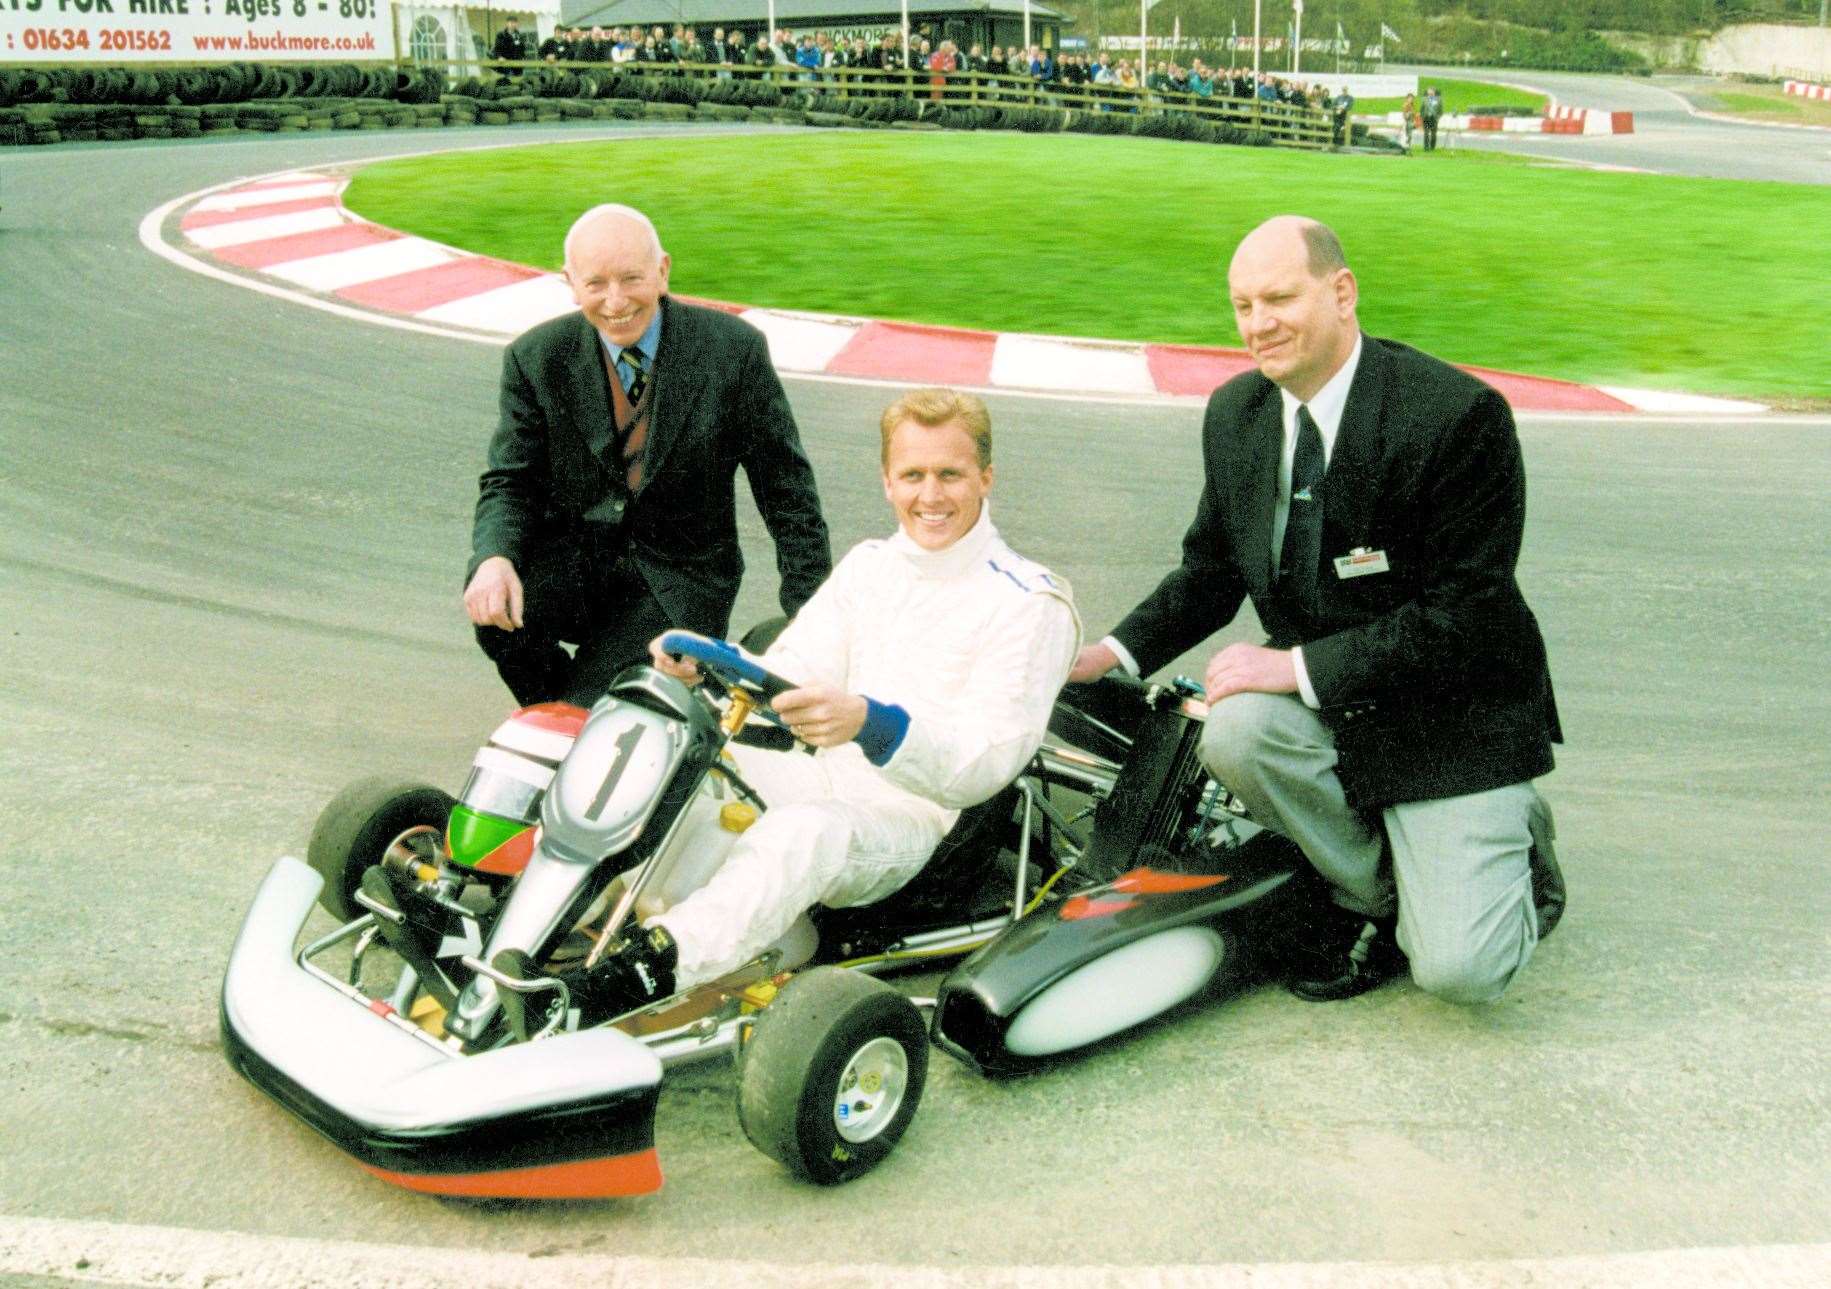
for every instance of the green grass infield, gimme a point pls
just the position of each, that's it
(1770, 103)
(1710, 286)
(1458, 96)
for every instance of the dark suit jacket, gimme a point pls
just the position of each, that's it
(508, 44)
(555, 472)
(1432, 676)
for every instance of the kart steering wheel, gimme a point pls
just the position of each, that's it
(733, 668)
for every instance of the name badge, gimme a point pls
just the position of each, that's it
(1360, 562)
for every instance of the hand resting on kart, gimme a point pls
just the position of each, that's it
(1093, 662)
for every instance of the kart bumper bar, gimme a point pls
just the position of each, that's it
(570, 1116)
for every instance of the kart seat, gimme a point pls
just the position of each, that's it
(951, 880)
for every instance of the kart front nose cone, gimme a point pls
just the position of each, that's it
(570, 1116)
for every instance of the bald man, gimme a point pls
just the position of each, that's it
(1370, 500)
(607, 512)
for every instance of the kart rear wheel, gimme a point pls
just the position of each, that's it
(358, 826)
(832, 1074)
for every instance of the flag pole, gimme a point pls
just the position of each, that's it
(1256, 4)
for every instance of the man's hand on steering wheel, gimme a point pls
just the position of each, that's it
(680, 668)
(820, 715)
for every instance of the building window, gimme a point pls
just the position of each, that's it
(427, 43)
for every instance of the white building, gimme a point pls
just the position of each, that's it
(460, 35)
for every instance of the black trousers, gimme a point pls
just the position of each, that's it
(575, 592)
(1430, 134)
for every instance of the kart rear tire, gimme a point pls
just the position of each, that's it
(354, 831)
(832, 1074)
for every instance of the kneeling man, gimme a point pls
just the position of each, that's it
(928, 663)
(1370, 500)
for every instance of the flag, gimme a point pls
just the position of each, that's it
(1387, 33)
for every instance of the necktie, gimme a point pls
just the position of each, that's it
(632, 372)
(1303, 529)
(634, 377)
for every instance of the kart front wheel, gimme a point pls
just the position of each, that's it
(355, 830)
(832, 1074)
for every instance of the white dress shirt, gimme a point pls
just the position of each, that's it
(1326, 410)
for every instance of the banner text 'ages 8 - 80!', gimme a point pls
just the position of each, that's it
(194, 31)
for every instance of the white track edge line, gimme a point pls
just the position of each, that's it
(119, 1253)
(152, 241)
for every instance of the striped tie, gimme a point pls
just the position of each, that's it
(632, 373)
(635, 379)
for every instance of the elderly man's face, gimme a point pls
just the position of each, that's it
(1298, 327)
(933, 481)
(616, 278)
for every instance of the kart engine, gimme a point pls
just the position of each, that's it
(1165, 812)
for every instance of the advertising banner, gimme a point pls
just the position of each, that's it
(35, 32)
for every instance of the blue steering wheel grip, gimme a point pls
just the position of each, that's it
(726, 661)
(885, 725)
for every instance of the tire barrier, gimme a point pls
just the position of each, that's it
(62, 105)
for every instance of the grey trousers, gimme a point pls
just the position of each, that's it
(1459, 870)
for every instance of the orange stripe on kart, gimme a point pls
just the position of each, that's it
(1148, 881)
(1079, 907)
(511, 857)
(583, 1179)
(561, 718)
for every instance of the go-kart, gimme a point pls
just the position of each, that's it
(446, 1033)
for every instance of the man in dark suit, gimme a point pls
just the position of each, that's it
(1370, 500)
(1431, 112)
(607, 512)
(508, 44)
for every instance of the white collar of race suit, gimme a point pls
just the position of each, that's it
(950, 561)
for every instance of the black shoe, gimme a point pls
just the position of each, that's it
(1349, 955)
(1548, 897)
(639, 973)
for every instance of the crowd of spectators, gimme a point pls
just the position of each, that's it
(817, 52)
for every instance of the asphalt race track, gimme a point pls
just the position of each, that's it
(1669, 136)
(231, 537)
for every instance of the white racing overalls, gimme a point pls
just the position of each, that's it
(961, 653)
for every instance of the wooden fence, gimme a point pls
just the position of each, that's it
(1286, 124)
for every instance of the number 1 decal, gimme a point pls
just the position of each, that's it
(626, 744)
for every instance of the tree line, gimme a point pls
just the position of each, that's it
(1416, 21)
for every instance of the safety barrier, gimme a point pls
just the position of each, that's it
(185, 100)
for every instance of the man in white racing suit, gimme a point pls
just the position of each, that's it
(928, 663)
